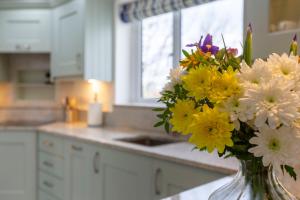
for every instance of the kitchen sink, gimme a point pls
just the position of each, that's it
(149, 141)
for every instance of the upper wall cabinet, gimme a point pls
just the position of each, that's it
(83, 39)
(25, 31)
(67, 55)
(274, 24)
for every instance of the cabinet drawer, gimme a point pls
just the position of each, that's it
(45, 196)
(51, 144)
(51, 164)
(51, 185)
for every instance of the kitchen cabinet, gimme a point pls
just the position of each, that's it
(126, 176)
(82, 171)
(274, 24)
(18, 170)
(83, 40)
(25, 31)
(171, 178)
(67, 55)
(51, 163)
(74, 170)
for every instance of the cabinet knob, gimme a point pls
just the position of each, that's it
(76, 148)
(18, 47)
(48, 143)
(157, 183)
(48, 184)
(96, 162)
(27, 47)
(79, 61)
(48, 164)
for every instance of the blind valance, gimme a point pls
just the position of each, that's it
(141, 9)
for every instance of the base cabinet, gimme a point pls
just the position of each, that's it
(126, 176)
(171, 178)
(75, 170)
(17, 168)
(82, 178)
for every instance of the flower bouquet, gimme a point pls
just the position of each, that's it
(241, 108)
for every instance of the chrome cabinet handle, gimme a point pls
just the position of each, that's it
(158, 174)
(48, 164)
(48, 184)
(76, 148)
(95, 162)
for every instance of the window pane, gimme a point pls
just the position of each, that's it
(157, 53)
(216, 18)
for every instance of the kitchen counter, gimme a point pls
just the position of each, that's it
(201, 192)
(181, 152)
(20, 125)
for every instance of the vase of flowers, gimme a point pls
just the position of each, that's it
(240, 108)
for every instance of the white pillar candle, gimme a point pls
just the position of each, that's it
(95, 115)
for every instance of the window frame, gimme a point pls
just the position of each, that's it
(136, 72)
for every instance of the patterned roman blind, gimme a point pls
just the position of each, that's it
(138, 10)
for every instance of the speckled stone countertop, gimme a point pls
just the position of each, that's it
(181, 152)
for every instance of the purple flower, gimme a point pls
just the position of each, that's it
(207, 45)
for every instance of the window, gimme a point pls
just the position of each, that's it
(209, 18)
(163, 36)
(157, 53)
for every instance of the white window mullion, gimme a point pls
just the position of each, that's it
(177, 39)
(136, 68)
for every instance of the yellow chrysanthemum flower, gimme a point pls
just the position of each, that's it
(199, 82)
(224, 86)
(182, 117)
(211, 129)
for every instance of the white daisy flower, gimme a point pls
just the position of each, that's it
(284, 66)
(174, 78)
(259, 73)
(276, 147)
(273, 103)
(237, 110)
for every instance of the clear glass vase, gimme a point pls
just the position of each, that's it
(249, 185)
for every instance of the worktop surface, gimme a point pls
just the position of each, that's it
(181, 152)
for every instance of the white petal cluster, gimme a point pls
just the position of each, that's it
(270, 103)
(270, 91)
(174, 78)
(276, 147)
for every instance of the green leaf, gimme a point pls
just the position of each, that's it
(167, 127)
(159, 124)
(186, 53)
(290, 170)
(160, 115)
(158, 109)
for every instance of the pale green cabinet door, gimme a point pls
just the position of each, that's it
(99, 40)
(25, 31)
(125, 176)
(18, 166)
(171, 178)
(67, 56)
(82, 171)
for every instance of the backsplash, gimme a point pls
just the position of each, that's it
(132, 117)
(31, 114)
